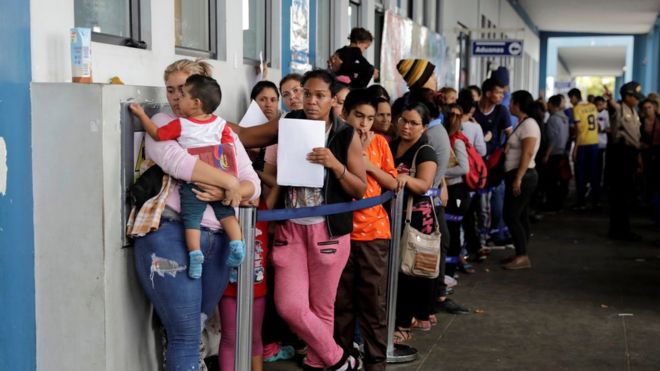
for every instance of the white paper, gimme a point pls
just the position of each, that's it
(253, 117)
(297, 138)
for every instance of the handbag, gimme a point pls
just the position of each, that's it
(565, 173)
(420, 252)
(495, 163)
(495, 167)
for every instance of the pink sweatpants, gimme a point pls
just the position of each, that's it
(308, 265)
(228, 322)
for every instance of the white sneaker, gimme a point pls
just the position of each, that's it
(450, 281)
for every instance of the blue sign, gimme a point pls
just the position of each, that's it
(497, 48)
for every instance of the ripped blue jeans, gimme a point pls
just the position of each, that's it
(161, 261)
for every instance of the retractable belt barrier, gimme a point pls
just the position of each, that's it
(248, 216)
(330, 209)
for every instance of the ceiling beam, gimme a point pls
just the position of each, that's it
(522, 13)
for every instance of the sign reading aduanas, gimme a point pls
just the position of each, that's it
(497, 48)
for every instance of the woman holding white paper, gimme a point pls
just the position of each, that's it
(309, 254)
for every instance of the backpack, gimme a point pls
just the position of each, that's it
(476, 177)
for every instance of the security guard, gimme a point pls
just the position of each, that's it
(623, 159)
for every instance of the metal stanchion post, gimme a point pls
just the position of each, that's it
(396, 353)
(245, 296)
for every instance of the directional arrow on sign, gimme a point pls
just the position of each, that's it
(515, 48)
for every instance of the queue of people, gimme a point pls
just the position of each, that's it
(321, 282)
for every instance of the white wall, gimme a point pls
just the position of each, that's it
(91, 313)
(51, 21)
(500, 12)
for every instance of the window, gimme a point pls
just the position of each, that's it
(462, 59)
(323, 31)
(111, 21)
(254, 29)
(195, 27)
(379, 22)
(354, 13)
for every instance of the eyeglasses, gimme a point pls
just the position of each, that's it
(403, 122)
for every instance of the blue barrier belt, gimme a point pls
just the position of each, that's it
(453, 218)
(337, 208)
(323, 210)
(433, 192)
(436, 192)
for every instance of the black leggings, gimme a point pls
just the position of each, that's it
(415, 295)
(516, 208)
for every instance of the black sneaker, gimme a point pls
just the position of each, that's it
(306, 367)
(347, 363)
(452, 307)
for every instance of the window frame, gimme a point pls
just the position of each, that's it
(326, 43)
(268, 23)
(379, 12)
(212, 53)
(358, 6)
(135, 30)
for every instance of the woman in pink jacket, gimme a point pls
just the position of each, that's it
(161, 257)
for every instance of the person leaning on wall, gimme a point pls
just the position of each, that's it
(161, 256)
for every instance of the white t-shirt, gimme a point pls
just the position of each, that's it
(604, 123)
(529, 128)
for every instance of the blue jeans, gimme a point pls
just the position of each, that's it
(497, 224)
(161, 261)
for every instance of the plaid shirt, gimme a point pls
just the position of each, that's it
(147, 219)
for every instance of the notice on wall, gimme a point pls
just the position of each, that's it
(403, 38)
(296, 139)
(299, 36)
(138, 151)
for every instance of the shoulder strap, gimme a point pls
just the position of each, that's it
(412, 173)
(413, 169)
(516, 128)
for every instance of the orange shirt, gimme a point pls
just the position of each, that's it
(373, 223)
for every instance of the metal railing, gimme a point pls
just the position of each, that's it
(248, 217)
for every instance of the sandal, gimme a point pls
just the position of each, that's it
(284, 353)
(421, 325)
(433, 319)
(402, 335)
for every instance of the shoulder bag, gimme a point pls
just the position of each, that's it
(420, 252)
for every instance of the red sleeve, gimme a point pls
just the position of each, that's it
(226, 135)
(171, 131)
